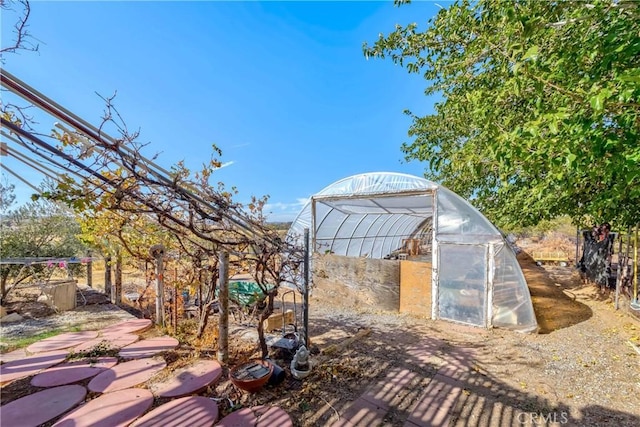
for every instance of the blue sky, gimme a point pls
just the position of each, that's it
(281, 87)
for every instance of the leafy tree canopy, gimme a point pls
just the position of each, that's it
(540, 108)
(36, 229)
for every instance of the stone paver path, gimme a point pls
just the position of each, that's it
(42, 406)
(192, 411)
(119, 408)
(118, 404)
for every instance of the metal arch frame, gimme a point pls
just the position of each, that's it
(435, 262)
(385, 219)
(420, 227)
(406, 220)
(354, 231)
(411, 222)
(346, 217)
(366, 233)
(489, 276)
(326, 199)
(375, 195)
(315, 227)
(384, 239)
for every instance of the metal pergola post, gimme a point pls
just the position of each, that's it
(305, 300)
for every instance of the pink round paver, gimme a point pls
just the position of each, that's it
(192, 411)
(30, 365)
(13, 355)
(127, 327)
(258, 416)
(190, 379)
(115, 409)
(72, 372)
(125, 375)
(69, 339)
(112, 341)
(40, 407)
(148, 347)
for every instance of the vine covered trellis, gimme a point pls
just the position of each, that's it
(127, 202)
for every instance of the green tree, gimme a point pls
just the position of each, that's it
(539, 113)
(36, 229)
(7, 196)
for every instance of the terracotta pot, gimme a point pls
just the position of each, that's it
(252, 375)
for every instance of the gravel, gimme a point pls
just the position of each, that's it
(83, 318)
(585, 374)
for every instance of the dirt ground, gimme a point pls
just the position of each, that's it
(582, 364)
(582, 369)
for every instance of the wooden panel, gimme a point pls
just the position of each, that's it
(415, 288)
(276, 321)
(61, 296)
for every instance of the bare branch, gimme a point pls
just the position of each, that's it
(23, 38)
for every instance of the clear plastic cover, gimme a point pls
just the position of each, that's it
(460, 220)
(512, 306)
(372, 215)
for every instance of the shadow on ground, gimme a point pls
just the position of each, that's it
(554, 309)
(443, 384)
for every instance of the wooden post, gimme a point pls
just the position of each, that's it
(223, 296)
(618, 274)
(200, 293)
(89, 271)
(107, 276)
(635, 264)
(175, 302)
(117, 289)
(577, 245)
(159, 291)
(157, 251)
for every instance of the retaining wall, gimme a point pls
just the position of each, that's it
(373, 283)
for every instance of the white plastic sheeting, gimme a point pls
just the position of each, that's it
(476, 280)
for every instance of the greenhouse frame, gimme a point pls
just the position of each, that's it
(475, 276)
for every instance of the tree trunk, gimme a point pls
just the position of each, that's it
(117, 292)
(268, 311)
(205, 301)
(175, 306)
(3, 287)
(107, 277)
(89, 271)
(202, 320)
(159, 291)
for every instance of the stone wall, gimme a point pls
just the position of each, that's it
(357, 282)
